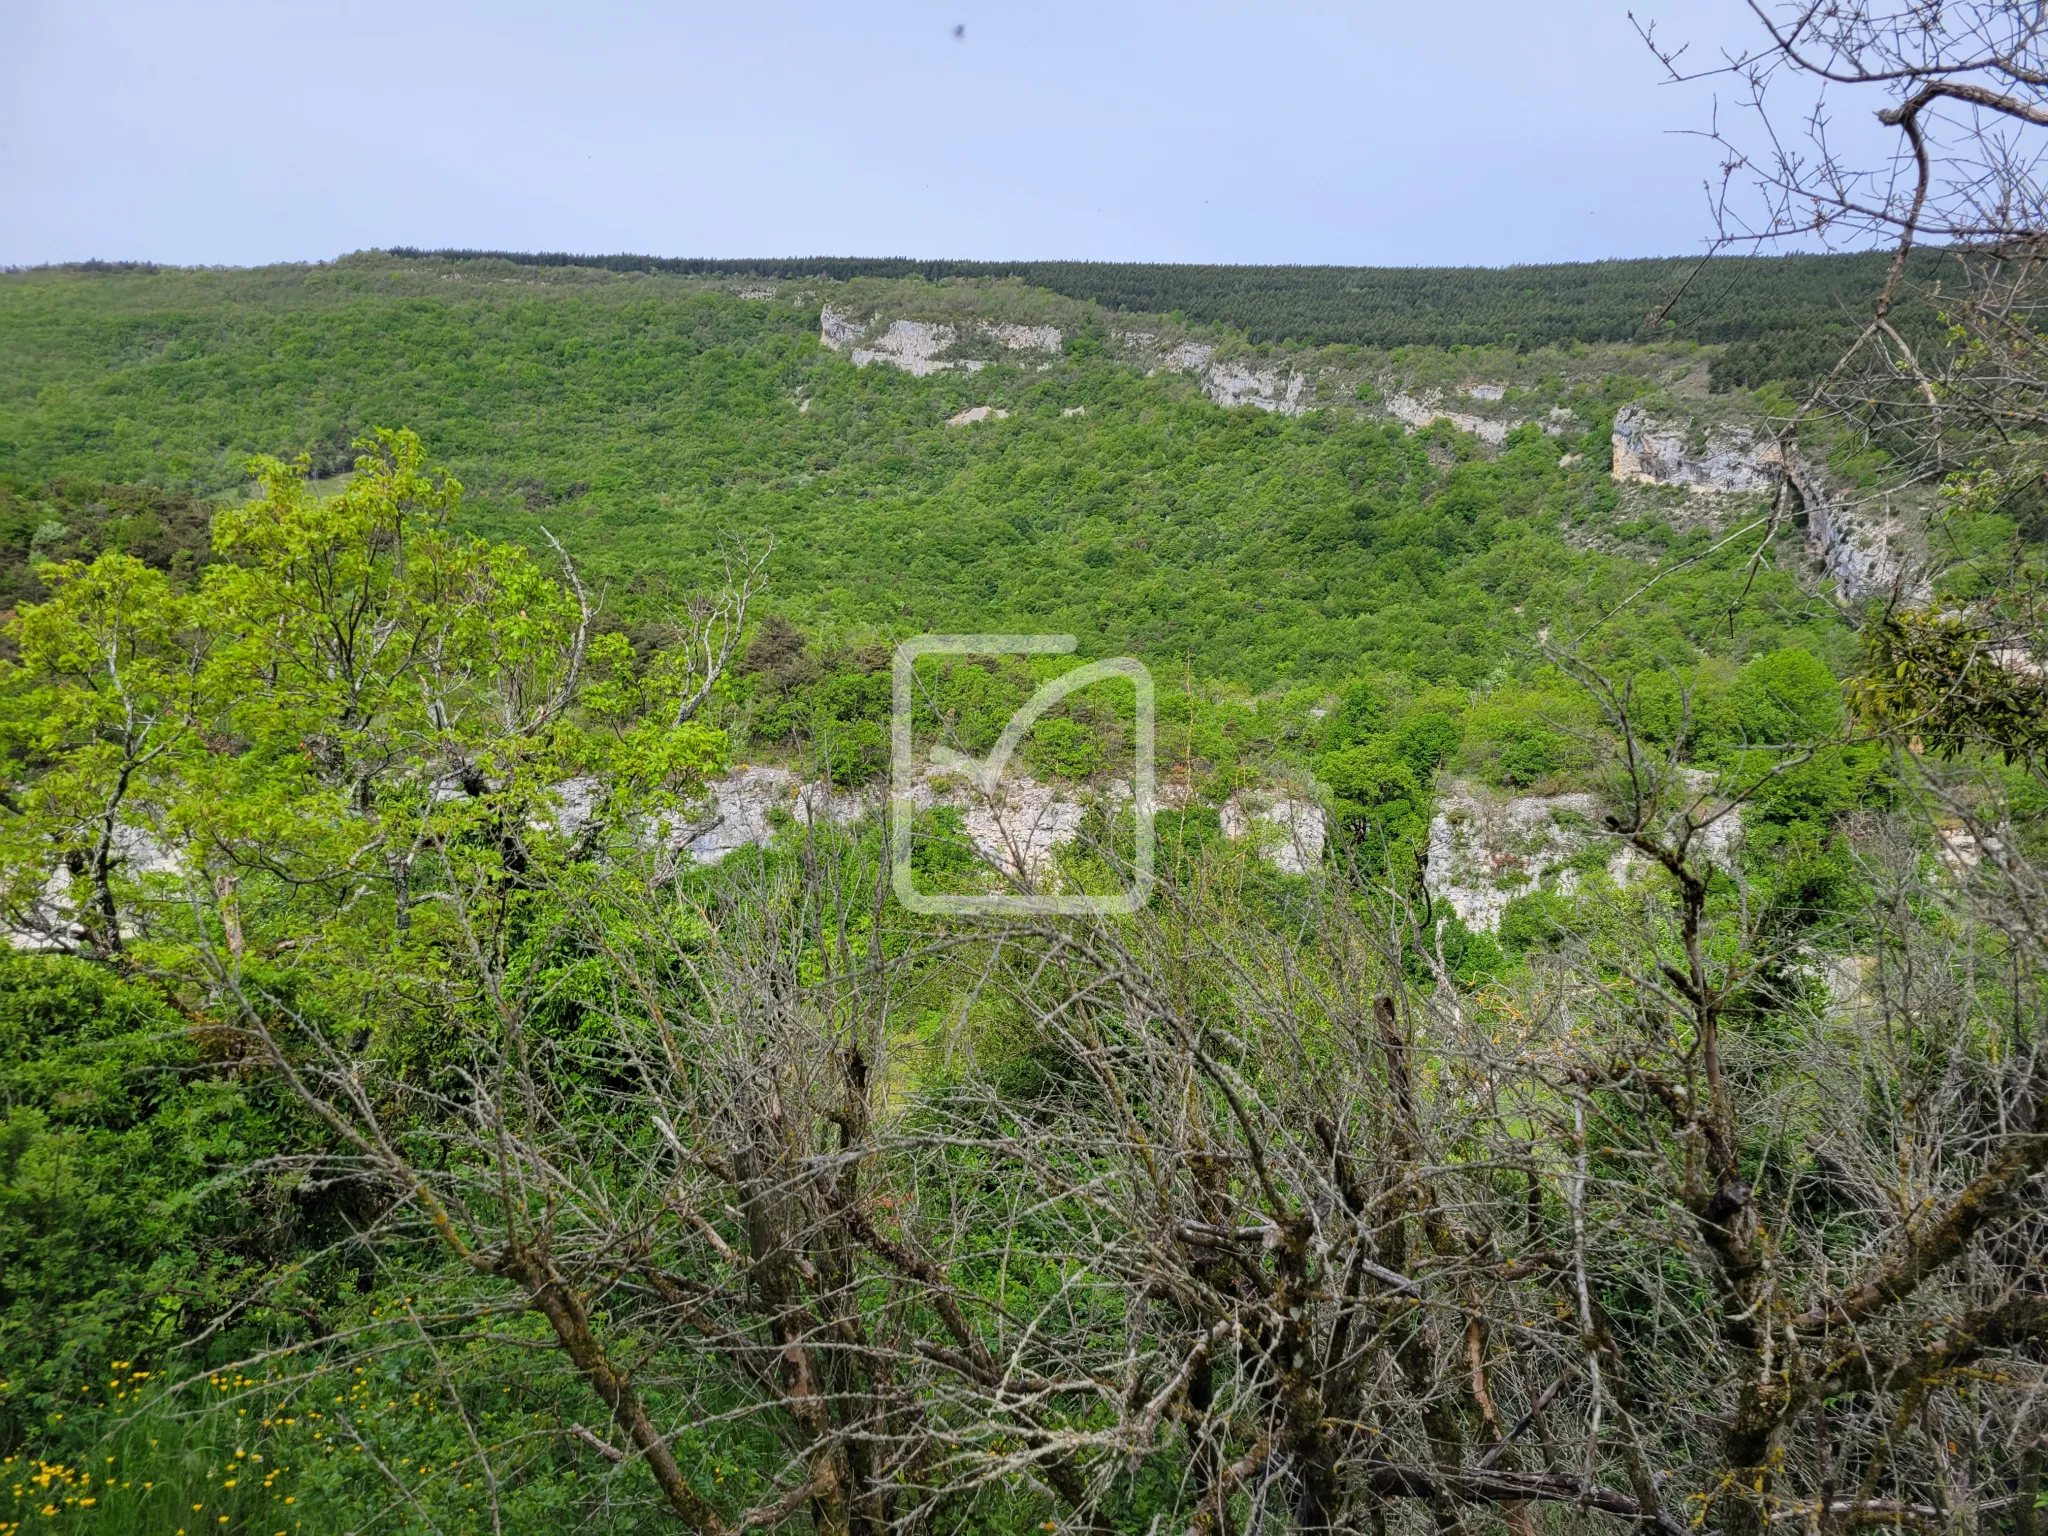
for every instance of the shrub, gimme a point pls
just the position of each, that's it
(115, 1226)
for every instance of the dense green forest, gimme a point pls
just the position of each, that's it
(1783, 312)
(401, 1130)
(643, 421)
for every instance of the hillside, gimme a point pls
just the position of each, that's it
(1780, 313)
(646, 418)
(491, 1043)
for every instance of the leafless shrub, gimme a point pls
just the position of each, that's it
(1219, 1218)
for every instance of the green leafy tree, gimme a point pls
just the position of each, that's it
(112, 696)
(126, 1200)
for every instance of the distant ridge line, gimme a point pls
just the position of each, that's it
(1786, 308)
(844, 268)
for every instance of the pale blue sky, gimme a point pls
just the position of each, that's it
(208, 131)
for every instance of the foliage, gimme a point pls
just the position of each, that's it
(1243, 546)
(78, 519)
(1783, 312)
(1960, 680)
(408, 1111)
(130, 1216)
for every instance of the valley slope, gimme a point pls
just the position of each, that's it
(647, 419)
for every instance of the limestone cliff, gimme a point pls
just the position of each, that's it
(1723, 457)
(1867, 549)
(1864, 547)
(1487, 847)
(925, 347)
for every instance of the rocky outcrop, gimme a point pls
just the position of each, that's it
(740, 813)
(1290, 832)
(1865, 552)
(925, 347)
(1017, 830)
(51, 918)
(1027, 338)
(1277, 382)
(974, 413)
(1486, 848)
(912, 345)
(1417, 412)
(1233, 384)
(1720, 458)
(839, 332)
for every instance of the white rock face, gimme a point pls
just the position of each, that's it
(143, 854)
(1417, 413)
(974, 413)
(1027, 338)
(919, 346)
(737, 809)
(912, 345)
(1232, 384)
(1720, 841)
(1958, 848)
(1862, 549)
(1287, 831)
(1852, 983)
(742, 801)
(838, 331)
(1019, 828)
(925, 347)
(1727, 458)
(1485, 849)
(575, 803)
(52, 919)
